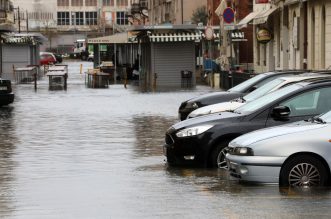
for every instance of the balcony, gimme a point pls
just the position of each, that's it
(6, 20)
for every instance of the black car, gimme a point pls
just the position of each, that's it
(6, 92)
(59, 58)
(241, 89)
(203, 140)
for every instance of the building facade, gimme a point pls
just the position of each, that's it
(236, 44)
(71, 19)
(173, 11)
(300, 31)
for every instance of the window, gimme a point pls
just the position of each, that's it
(108, 2)
(63, 18)
(122, 2)
(310, 103)
(78, 18)
(121, 18)
(76, 2)
(91, 18)
(62, 2)
(90, 2)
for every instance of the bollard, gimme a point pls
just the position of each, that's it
(154, 82)
(81, 68)
(35, 81)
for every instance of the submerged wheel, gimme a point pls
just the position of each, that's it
(217, 159)
(304, 171)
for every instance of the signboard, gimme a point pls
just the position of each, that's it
(263, 36)
(228, 15)
(209, 33)
(261, 1)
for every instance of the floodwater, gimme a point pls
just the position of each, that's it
(97, 153)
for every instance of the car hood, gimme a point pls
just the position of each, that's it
(215, 108)
(263, 134)
(201, 120)
(214, 97)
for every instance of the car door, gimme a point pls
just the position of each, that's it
(304, 106)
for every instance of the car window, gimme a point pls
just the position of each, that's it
(263, 89)
(242, 87)
(310, 103)
(327, 117)
(266, 99)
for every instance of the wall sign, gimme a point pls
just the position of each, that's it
(263, 36)
(261, 1)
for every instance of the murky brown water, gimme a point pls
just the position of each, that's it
(85, 153)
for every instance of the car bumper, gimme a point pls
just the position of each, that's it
(257, 169)
(6, 99)
(188, 151)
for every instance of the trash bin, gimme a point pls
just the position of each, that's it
(186, 79)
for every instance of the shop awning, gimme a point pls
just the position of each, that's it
(243, 23)
(262, 17)
(291, 2)
(119, 38)
(174, 37)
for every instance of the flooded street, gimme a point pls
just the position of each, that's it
(97, 153)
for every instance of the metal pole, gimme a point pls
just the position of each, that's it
(27, 21)
(182, 7)
(19, 20)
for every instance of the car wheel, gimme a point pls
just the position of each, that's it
(303, 171)
(217, 159)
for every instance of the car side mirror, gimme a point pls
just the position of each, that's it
(281, 112)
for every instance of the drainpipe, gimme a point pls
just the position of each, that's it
(305, 44)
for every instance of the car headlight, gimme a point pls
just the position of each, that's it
(193, 131)
(242, 151)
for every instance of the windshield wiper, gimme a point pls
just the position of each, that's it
(317, 120)
(241, 99)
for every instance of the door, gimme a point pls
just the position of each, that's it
(304, 106)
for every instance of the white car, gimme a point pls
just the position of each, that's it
(267, 88)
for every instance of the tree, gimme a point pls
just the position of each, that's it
(200, 15)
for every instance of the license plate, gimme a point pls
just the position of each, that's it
(3, 88)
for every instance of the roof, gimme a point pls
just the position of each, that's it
(24, 38)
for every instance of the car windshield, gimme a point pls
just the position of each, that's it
(262, 101)
(326, 117)
(242, 87)
(263, 89)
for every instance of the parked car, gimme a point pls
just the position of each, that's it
(203, 140)
(47, 58)
(263, 90)
(296, 154)
(58, 57)
(6, 92)
(246, 87)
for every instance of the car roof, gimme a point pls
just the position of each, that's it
(305, 76)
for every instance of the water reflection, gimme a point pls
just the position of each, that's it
(7, 150)
(149, 132)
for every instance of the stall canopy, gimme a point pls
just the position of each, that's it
(119, 38)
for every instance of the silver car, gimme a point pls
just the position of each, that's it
(297, 154)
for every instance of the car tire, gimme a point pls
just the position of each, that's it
(217, 157)
(303, 171)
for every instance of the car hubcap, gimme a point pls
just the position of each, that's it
(221, 163)
(304, 174)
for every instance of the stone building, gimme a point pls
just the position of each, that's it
(299, 31)
(173, 11)
(65, 21)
